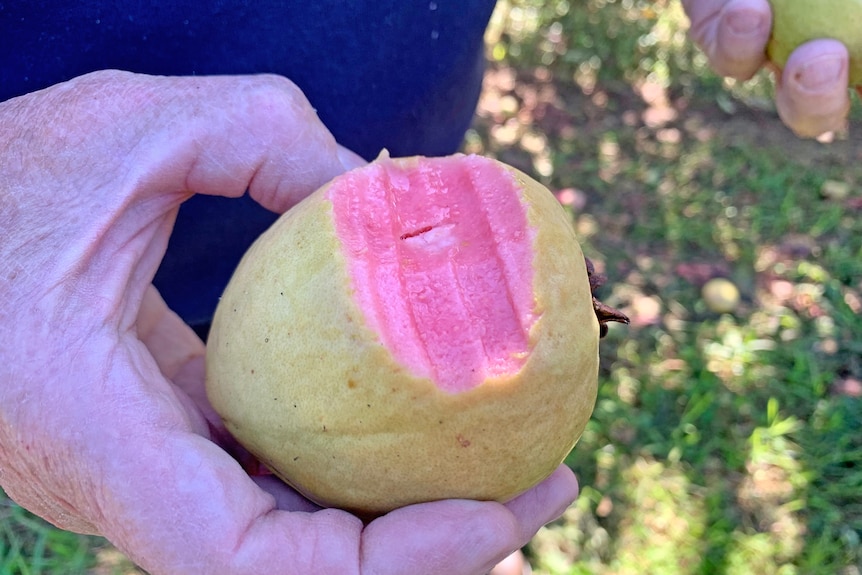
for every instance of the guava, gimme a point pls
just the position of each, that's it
(417, 329)
(720, 295)
(795, 22)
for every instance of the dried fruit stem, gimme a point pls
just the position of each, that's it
(604, 313)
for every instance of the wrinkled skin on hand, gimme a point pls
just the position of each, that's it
(811, 91)
(104, 424)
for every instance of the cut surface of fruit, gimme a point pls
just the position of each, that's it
(440, 257)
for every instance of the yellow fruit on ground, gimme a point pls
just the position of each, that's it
(720, 295)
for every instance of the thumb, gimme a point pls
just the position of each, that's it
(732, 33)
(462, 537)
(812, 96)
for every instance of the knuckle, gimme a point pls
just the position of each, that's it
(279, 94)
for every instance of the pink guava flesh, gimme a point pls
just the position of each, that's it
(439, 254)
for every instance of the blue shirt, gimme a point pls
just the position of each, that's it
(399, 74)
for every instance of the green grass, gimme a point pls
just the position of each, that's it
(720, 443)
(29, 546)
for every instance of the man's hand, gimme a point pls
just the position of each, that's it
(104, 423)
(811, 92)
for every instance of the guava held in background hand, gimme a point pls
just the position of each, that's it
(418, 329)
(795, 22)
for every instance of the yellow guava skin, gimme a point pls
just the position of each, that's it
(795, 22)
(306, 386)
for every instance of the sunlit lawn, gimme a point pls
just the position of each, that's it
(721, 442)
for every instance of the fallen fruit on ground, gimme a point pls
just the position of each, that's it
(418, 329)
(795, 22)
(720, 295)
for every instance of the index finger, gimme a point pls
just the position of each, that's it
(732, 33)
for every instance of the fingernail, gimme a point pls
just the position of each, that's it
(350, 160)
(821, 72)
(745, 22)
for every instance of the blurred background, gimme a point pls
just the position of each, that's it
(726, 437)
